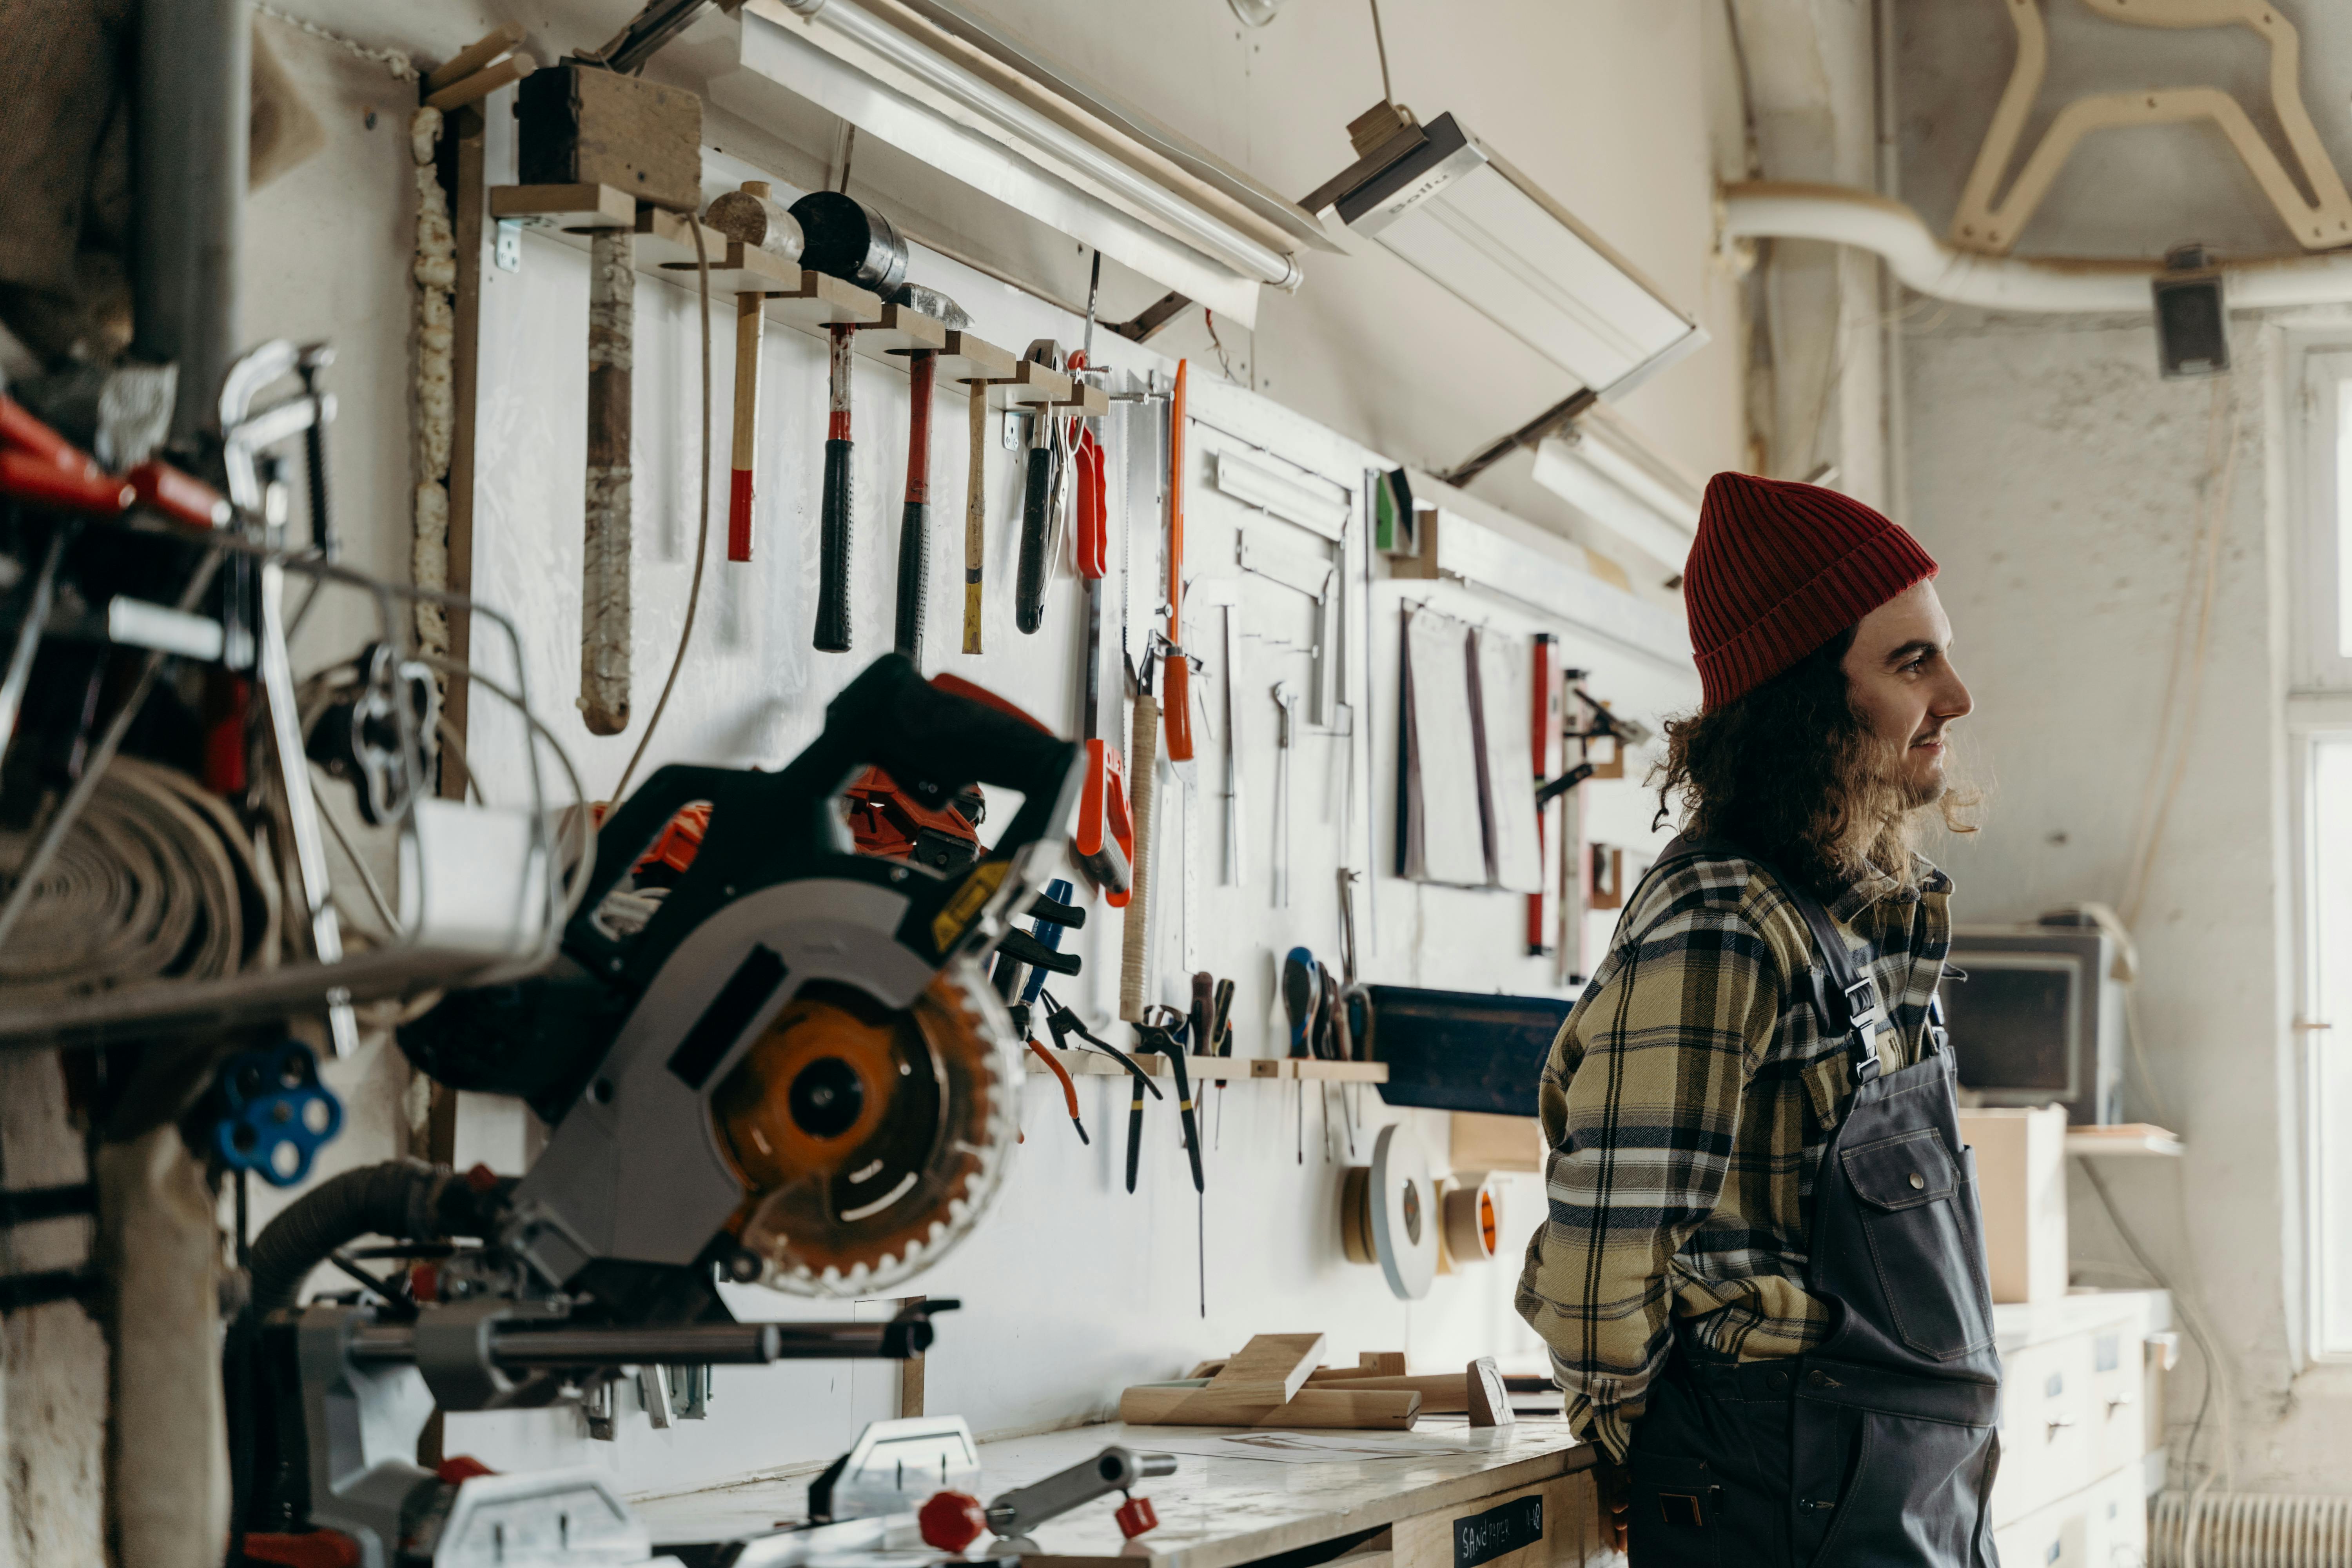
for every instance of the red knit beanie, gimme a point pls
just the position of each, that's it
(1778, 569)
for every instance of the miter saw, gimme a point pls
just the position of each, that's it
(787, 1068)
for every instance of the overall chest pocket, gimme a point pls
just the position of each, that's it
(1918, 1213)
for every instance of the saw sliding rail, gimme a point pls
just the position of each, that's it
(691, 1344)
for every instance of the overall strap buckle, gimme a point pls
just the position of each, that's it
(1851, 1010)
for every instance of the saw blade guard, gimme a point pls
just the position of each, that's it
(870, 1140)
(867, 1132)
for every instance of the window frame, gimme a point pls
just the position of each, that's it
(2319, 607)
(2318, 713)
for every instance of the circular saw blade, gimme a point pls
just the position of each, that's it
(869, 1140)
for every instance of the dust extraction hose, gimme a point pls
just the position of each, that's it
(399, 1198)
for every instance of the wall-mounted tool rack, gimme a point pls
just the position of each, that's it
(1312, 1067)
(1094, 1064)
(797, 297)
(1081, 1064)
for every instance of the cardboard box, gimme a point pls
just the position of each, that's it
(2022, 1185)
(1482, 1142)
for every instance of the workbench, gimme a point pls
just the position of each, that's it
(1398, 1513)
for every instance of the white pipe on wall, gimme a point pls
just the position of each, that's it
(1840, 215)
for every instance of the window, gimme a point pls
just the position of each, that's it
(2320, 716)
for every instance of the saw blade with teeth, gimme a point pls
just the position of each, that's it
(869, 1139)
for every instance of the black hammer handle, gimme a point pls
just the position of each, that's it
(1029, 586)
(832, 515)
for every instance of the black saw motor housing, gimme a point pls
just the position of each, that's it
(541, 1038)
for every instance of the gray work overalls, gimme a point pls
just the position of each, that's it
(1877, 1446)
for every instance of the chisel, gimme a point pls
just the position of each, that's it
(833, 513)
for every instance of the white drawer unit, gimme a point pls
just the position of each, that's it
(2048, 1442)
(2103, 1526)
(2079, 1416)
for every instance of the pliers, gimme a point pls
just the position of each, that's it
(1159, 1038)
(1064, 1023)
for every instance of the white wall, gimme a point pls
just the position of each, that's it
(1073, 1289)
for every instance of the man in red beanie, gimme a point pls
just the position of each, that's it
(1762, 1274)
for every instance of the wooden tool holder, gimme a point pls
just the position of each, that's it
(795, 297)
(1093, 1063)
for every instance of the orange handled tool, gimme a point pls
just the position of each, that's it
(1069, 1090)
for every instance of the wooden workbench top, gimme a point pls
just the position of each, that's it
(1213, 1513)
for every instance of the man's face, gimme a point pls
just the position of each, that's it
(1900, 677)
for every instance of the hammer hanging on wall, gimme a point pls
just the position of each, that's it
(834, 508)
(751, 219)
(849, 239)
(591, 122)
(914, 522)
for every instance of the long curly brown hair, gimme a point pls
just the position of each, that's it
(1790, 773)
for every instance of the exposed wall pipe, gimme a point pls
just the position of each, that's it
(194, 102)
(1840, 215)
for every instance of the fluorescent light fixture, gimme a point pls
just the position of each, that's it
(1619, 495)
(1446, 203)
(943, 86)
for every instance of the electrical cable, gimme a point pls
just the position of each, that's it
(153, 879)
(1379, 42)
(2217, 1374)
(367, 877)
(583, 821)
(2175, 735)
(702, 533)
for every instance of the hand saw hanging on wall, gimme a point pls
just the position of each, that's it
(1103, 842)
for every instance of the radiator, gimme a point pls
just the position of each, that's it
(2248, 1530)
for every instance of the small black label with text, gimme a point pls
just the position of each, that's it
(1499, 1532)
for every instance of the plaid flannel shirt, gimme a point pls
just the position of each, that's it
(1685, 1106)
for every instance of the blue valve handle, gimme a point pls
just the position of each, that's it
(273, 1098)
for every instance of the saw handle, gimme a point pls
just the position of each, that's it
(933, 738)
